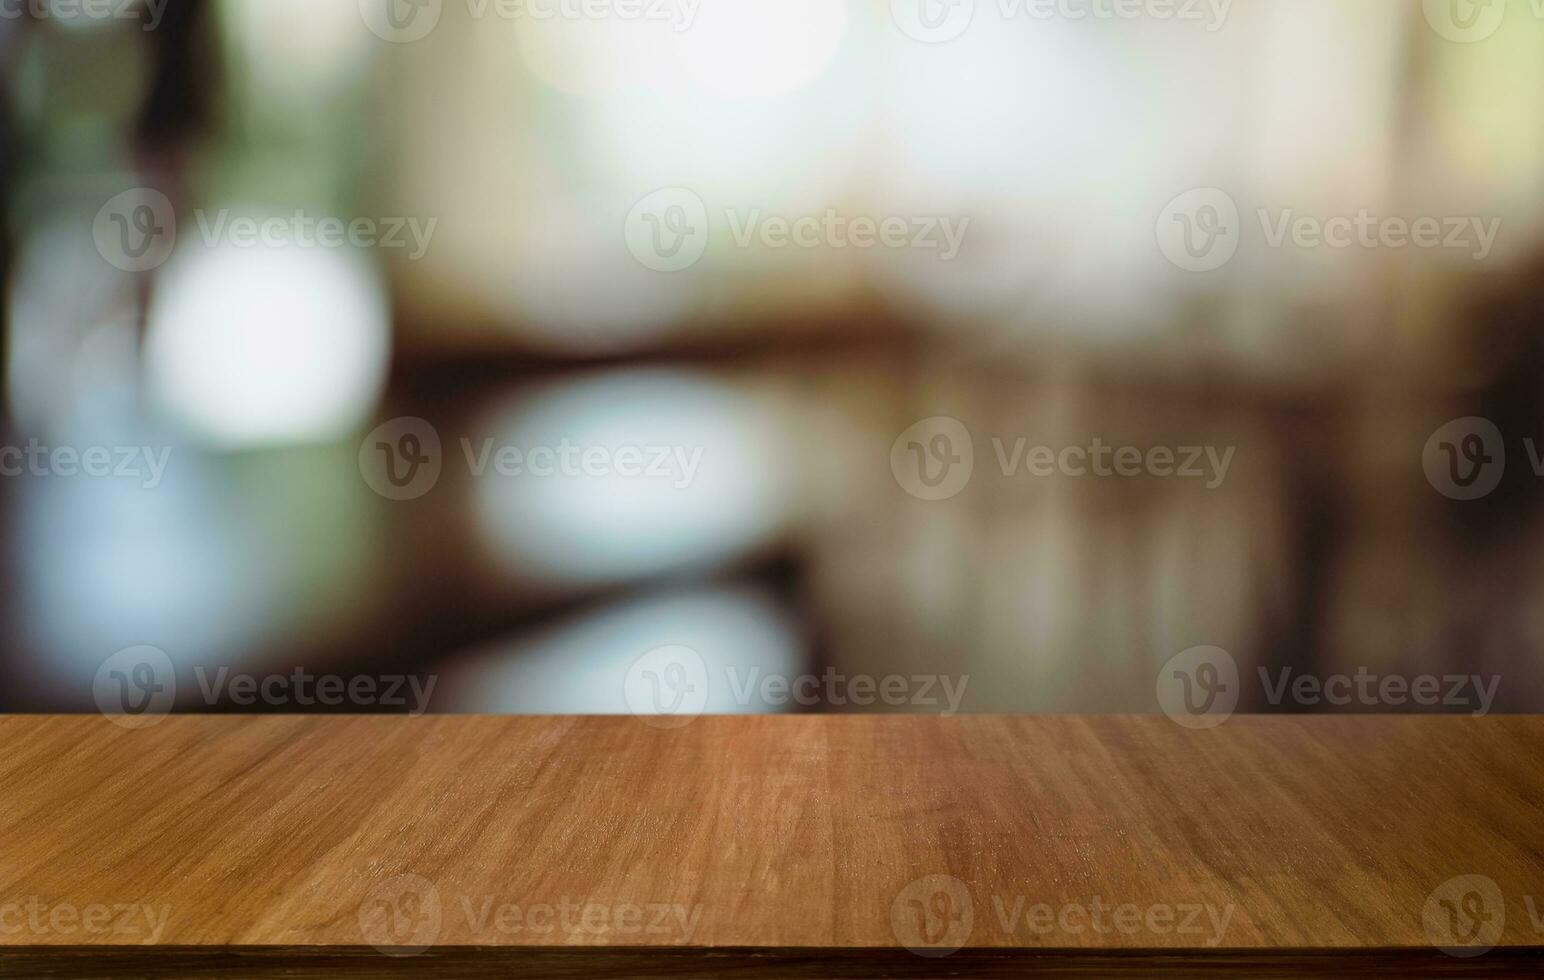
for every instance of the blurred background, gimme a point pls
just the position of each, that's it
(503, 272)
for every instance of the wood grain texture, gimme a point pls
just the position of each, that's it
(770, 841)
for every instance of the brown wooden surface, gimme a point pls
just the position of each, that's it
(761, 837)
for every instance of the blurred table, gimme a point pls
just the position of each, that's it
(770, 846)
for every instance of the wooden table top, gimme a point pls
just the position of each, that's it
(793, 845)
